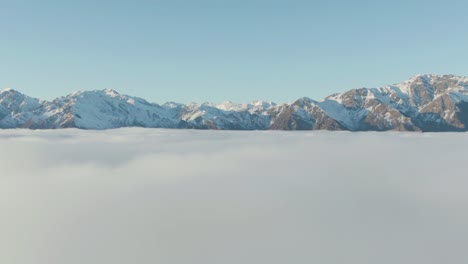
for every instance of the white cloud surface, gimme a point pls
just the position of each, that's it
(183, 196)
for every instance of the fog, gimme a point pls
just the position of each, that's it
(183, 196)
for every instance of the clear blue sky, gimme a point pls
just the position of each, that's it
(217, 50)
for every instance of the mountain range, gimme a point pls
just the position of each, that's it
(422, 103)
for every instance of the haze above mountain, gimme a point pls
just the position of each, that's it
(422, 103)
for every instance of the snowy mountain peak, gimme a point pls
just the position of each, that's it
(230, 106)
(111, 92)
(434, 78)
(425, 102)
(8, 90)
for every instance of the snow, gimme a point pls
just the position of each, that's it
(459, 96)
(6, 90)
(107, 109)
(111, 92)
(230, 106)
(340, 113)
(184, 196)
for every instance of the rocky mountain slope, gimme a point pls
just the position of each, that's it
(422, 103)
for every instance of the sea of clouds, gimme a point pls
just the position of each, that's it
(222, 197)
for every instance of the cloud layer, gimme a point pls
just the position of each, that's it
(182, 196)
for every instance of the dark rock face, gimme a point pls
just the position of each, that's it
(423, 103)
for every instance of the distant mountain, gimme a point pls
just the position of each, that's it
(422, 103)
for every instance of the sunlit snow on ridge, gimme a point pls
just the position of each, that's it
(185, 196)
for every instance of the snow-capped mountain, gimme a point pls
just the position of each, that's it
(422, 103)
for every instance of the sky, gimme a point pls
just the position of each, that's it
(243, 50)
(122, 196)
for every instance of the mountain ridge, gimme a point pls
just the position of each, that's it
(425, 102)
